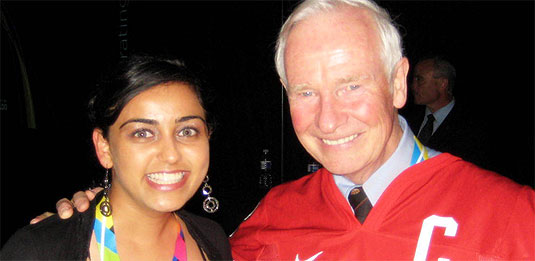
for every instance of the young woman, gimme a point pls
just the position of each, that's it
(151, 136)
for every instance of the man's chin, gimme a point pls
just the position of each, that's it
(339, 170)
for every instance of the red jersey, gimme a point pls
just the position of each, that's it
(443, 207)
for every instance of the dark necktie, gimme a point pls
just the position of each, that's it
(427, 130)
(360, 203)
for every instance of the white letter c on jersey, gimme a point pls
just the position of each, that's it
(427, 231)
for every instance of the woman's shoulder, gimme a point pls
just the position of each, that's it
(209, 235)
(52, 238)
(30, 239)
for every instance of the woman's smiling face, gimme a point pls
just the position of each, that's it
(158, 148)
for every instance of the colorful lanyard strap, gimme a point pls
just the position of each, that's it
(419, 153)
(105, 234)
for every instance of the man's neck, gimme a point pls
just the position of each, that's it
(390, 147)
(437, 105)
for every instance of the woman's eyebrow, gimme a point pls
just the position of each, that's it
(147, 121)
(187, 118)
(154, 122)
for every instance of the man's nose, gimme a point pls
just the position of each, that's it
(331, 115)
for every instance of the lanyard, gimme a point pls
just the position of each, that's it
(419, 152)
(105, 235)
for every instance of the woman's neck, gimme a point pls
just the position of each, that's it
(142, 224)
(141, 231)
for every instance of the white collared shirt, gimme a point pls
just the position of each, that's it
(440, 115)
(382, 177)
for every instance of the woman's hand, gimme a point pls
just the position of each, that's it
(80, 201)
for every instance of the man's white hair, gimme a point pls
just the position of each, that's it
(391, 43)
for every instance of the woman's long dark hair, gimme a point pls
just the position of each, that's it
(133, 76)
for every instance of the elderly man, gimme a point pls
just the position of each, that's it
(382, 194)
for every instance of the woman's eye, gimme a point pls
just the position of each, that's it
(142, 134)
(187, 132)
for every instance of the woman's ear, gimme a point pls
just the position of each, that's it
(102, 147)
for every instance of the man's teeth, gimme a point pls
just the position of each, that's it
(166, 178)
(340, 141)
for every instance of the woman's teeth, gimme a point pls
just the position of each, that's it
(166, 178)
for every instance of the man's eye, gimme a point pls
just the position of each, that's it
(346, 90)
(352, 87)
(419, 79)
(187, 132)
(306, 93)
(142, 134)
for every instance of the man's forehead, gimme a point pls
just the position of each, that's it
(345, 64)
(347, 25)
(424, 66)
(324, 57)
(426, 63)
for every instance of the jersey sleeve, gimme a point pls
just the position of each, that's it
(519, 236)
(247, 243)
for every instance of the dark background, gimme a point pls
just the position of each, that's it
(66, 47)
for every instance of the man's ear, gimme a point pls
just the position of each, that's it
(102, 147)
(399, 92)
(444, 84)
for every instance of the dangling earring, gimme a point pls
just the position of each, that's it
(105, 207)
(210, 204)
